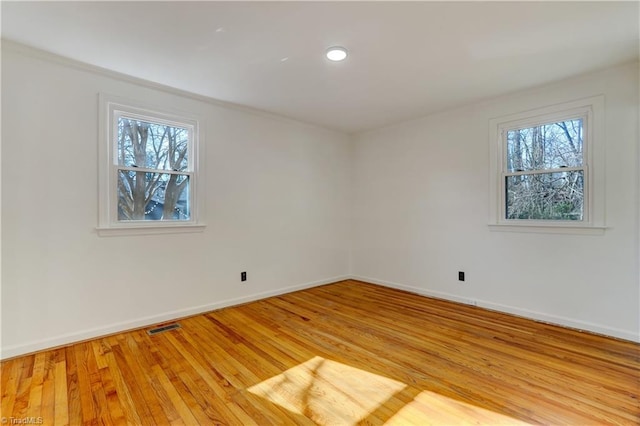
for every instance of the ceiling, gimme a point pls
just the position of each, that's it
(407, 59)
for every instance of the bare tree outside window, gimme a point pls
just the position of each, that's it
(544, 179)
(153, 171)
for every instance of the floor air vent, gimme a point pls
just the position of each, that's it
(167, 327)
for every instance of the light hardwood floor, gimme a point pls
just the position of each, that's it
(339, 354)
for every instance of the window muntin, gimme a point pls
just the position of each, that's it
(166, 146)
(152, 168)
(149, 172)
(546, 146)
(585, 120)
(545, 196)
(144, 195)
(544, 170)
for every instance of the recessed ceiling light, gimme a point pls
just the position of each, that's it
(336, 53)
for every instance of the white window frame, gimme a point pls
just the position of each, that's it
(591, 111)
(110, 109)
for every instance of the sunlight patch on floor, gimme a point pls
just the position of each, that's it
(429, 408)
(332, 393)
(328, 392)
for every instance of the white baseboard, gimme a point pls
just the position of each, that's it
(525, 313)
(69, 338)
(92, 333)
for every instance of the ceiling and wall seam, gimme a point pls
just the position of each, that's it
(34, 52)
(353, 136)
(492, 99)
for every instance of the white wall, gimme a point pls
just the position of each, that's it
(421, 211)
(285, 202)
(276, 191)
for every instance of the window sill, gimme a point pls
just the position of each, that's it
(149, 230)
(548, 229)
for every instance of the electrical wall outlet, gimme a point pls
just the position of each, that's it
(460, 276)
(243, 276)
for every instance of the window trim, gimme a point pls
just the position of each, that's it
(112, 107)
(592, 111)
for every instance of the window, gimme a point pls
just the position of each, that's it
(547, 168)
(544, 170)
(148, 170)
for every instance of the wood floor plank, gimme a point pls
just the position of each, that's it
(10, 376)
(85, 368)
(232, 358)
(74, 413)
(34, 408)
(341, 354)
(48, 389)
(210, 395)
(461, 360)
(131, 360)
(61, 411)
(183, 411)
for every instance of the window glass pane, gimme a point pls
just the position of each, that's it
(153, 196)
(548, 146)
(152, 145)
(546, 196)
